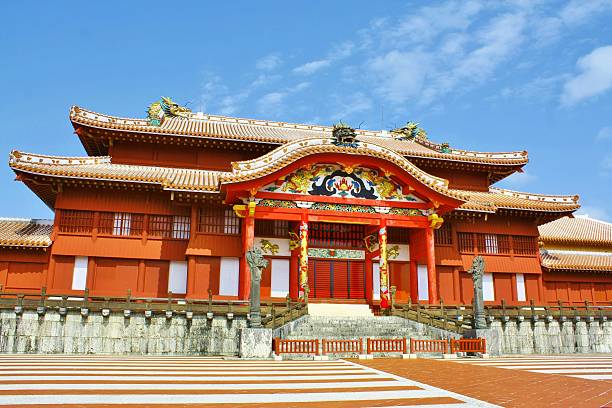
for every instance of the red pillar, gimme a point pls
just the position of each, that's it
(293, 275)
(191, 270)
(431, 267)
(456, 285)
(369, 281)
(248, 236)
(414, 282)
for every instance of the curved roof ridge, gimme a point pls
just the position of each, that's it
(17, 155)
(180, 125)
(295, 150)
(577, 230)
(91, 168)
(536, 196)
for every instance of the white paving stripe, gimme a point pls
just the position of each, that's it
(216, 378)
(178, 372)
(18, 377)
(216, 398)
(573, 371)
(176, 386)
(591, 367)
(178, 367)
(553, 366)
(593, 376)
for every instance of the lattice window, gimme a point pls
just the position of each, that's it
(181, 227)
(327, 235)
(489, 242)
(231, 222)
(444, 235)
(119, 223)
(272, 228)
(503, 244)
(216, 218)
(397, 235)
(466, 241)
(76, 221)
(524, 245)
(161, 226)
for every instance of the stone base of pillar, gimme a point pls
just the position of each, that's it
(366, 356)
(492, 337)
(255, 342)
(409, 356)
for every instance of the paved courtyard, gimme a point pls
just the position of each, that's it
(178, 381)
(86, 381)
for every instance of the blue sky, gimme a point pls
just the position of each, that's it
(482, 75)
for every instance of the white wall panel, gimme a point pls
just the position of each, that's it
(79, 274)
(520, 287)
(229, 275)
(422, 282)
(280, 277)
(376, 281)
(488, 290)
(177, 277)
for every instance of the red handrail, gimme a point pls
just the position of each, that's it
(428, 346)
(342, 346)
(468, 345)
(283, 346)
(386, 346)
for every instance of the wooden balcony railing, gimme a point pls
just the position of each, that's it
(458, 318)
(274, 314)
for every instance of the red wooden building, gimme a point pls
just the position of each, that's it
(173, 201)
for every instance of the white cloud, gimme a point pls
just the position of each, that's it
(351, 104)
(519, 180)
(607, 162)
(400, 75)
(604, 133)
(272, 102)
(595, 77)
(598, 213)
(311, 67)
(579, 11)
(269, 62)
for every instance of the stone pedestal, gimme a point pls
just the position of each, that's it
(255, 342)
(492, 337)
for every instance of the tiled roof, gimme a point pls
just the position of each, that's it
(101, 168)
(221, 127)
(25, 233)
(291, 152)
(577, 230)
(496, 198)
(575, 260)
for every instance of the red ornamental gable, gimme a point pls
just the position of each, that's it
(333, 180)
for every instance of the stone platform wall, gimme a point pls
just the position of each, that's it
(116, 334)
(554, 337)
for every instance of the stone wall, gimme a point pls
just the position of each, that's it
(116, 334)
(550, 337)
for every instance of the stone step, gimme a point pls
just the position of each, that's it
(339, 309)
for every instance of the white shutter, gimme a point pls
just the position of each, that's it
(228, 277)
(520, 287)
(422, 282)
(491, 246)
(79, 273)
(177, 278)
(488, 290)
(122, 224)
(376, 281)
(280, 277)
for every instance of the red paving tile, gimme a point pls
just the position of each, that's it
(508, 388)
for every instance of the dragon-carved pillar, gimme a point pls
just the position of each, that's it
(383, 266)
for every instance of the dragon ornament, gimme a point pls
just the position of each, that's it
(268, 247)
(166, 107)
(410, 131)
